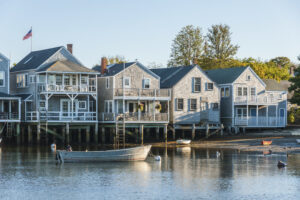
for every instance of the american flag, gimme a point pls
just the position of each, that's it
(28, 35)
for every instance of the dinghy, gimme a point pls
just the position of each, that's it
(266, 142)
(183, 141)
(129, 154)
(281, 164)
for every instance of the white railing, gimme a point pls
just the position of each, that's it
(61, 116)
(136, 92)
(9, 116)
(66, 88)
(135, 117)
(260, 121)
(260, 99)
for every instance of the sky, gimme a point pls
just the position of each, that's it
(143, 30)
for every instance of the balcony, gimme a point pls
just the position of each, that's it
(42, 87)
(258, 100)
(57, 116)
(260, 121)
(135, 117)
(142, 93)
(9, 116)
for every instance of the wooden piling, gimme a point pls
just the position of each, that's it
(68, 133)
(29, 135)
(157, 133)
(63, 135)
(18, 133)
(103, 135)
(193, 131)
(166, 133)
(79, 135)
(87, 134)
(222, 129)
(38, 133)
(23, 134)
(136, 130)
(96, 134)
(173, 133)
(142, 133)
(207, 131)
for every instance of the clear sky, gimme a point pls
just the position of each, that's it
(144, 30)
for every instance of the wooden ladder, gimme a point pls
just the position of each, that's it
(9, 130)
(120, 134)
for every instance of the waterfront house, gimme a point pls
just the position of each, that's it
(195, 96)
(57, 89)
(247, 101)
(131, 93)
(10, 105)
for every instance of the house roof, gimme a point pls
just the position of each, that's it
(225, 75)
(170, 76)
(5, 95)
(34, 59)
(65, 66)
(113, 69)
(273, 85)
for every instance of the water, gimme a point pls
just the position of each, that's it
(183, 173)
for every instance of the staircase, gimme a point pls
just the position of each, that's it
(120, 134)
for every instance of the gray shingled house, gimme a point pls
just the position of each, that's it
(131, 92)
(56, 89)
(10, 105)
(247, 101)
(195, 96)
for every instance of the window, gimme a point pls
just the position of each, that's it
(84, 80)
(42, 105)
(179, 104)
(22, 80)
(197, 84)
(107, 83)
(225, 92)
(108, 106)
(240, 91)
(253, 91)
(126, 82)
(82, 104)
(209, 86)
(66, 80)
(74, 80)
(215, 106)
(41, 78)
(32, 79)
(146, 84)
(2, 79)
(245, 91)
(51, 79)
(248, 78)
(193, 105)
(58, 79)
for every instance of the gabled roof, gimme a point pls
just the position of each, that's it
(273, 85)
(225, 75)
(65, 66)
(114, 69)
(171, 75)
(34, 59)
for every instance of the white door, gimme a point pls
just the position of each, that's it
(66, 108)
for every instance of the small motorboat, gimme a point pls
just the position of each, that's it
(128, 154)
(281, 164)
(183, 141)
(266, 142)
(298, 141)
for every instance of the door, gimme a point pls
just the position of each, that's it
(253, 112)
(282, 117)
(66, 107)
(241, 112)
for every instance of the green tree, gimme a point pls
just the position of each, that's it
(283, 62)
(187, 46)
(218, 43)
(295, 86)
(116, 59)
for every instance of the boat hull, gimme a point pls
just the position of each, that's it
(298, 141)
(264, 142)
(183, 142)
(128, 154)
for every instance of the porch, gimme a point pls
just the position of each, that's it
(10, 109)
(262, 99)
(141, 93)
(134, 117)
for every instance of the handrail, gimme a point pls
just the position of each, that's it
(142, 92)
(43, 87)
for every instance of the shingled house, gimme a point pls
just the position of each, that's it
(247, 101)
(57, 91)
(195, 96)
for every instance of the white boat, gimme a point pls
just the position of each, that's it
(129, 154)
(298, 141)
(183, 141)
(0, 140)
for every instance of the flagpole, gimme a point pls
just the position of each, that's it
(31, 40)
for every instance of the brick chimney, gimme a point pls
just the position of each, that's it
(103, 65)
(70, 48)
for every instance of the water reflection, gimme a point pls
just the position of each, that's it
(183, 173)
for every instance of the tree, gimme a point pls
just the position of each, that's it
(283, 62)
(187, 46)
(218, 43)
(295, 86)
(116, 59)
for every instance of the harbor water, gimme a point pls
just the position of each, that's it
(182, 173)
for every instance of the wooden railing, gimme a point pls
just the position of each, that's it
(260, 99)
(260, 121)
(136, 92)
(42, 87)
(134, 117)
(61, 116)
(9, 116)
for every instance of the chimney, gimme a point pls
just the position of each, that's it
(103, 65)
(195, 61)
(70, 48)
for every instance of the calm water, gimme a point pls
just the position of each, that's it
(183, 173)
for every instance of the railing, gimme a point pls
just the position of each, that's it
(66, 88)
(135, 117)
(136, 92)
(61, 116)
(9, 116)
(260, 99)
(260, 121)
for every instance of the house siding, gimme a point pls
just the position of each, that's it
(4, 66)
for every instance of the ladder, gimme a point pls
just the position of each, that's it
(120, 133)
(9, 130)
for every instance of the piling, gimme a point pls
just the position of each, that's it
(193, 131)
(87, 134)
(96, 134)
(79, 135)
(157, 133)
(207, 131)
(173, 133)
(142, 133)
(67, 133)
(18, 133)
(103, 135)
(38, 133)
(166, 133)
(29, 135)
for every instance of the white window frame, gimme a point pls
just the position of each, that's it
(83, 108)
(194, 85)
(107, 83)
(254, 91)
(177, 102)
(207, 88)
(129, 81)
(215, 107)
(192, 109)
(25, 81)
(144, 80)
(224, 94)
(3, 73)
(32, 79)
(43, 107)
(109, 105)
(248, 78)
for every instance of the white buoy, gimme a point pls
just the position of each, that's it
(218, 153)
(157, 158)
(53, 147)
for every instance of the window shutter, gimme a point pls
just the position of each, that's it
(189, 105)
(143, 83)
(176, 102)
(206, 86)
(193, 85)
